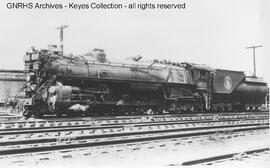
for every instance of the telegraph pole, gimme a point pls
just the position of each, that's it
(254, 63)
(61, 28)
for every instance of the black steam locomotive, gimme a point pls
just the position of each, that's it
(93, 85)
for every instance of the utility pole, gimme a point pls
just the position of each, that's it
(61, 28)
(254, 63)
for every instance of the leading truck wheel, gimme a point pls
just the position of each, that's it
(27, 113)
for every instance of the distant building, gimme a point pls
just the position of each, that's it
(11, 81)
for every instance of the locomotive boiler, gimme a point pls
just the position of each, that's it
(93, 85)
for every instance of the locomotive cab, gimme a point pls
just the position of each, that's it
(202, 76)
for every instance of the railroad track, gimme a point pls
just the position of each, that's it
(125, 119)
(118, 150)
(224, 157)
(84, 133)
(132, 136)
(36, 132)
(24, 137)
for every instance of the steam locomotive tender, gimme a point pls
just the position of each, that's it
(92, 85)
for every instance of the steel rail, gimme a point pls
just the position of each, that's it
(39, 124)
(114, 142)
(54, 139)
(189, 116)
(105, 126)
(169, 115)
(222, 157)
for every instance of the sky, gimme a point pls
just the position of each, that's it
(212, 32)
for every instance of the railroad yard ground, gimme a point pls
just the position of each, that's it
(169, 152)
